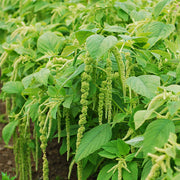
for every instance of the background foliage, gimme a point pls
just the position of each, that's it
(102, 76)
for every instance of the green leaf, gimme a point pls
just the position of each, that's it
(93, 140)
(119, 118)
(97, 45)
(13, 87)
(104, 174)
(159, 7)
(133, 174)
(52, 91)
(141, 116)
(140, 15)
(146, 169)
(50, 43)
(68, 50)
(174, 88)
(68, 101)
(107, 154)
(177, 177)
(40, 5)
(82, 35)
(143, 85)
(78, 71)
(27, 80)
(93, 43)
(156, 134)
(136, 142)
(115, 175)
(34, 111)
(117, 29)
(42, 76)
(118, 147)
(141, 61)
(159, 31)
(178, 73)
(173, 107)
(123, 148)
(54, 111)
(8, 131)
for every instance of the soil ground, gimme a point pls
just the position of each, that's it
(58, 166)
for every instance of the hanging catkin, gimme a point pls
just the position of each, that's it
(59, 124)
(121, 68)
(101, 101)
(109, 88)
(67, 120)
(43, 139)
(85, 80)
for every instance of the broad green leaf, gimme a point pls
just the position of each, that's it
(130, 157)
(107, 154)
(127, 38)
(54, 111)
(34, 111)
(126, 6)
(118, 147)
(178, 73)
(40, 5)
(21, 50)
(31, 91)
(8, 131)
(141, 61)
(118, 118)
(133, 174)
(139, 15)
(123, 148)
(27, 80)
(141, 116)
(156, 134)
(68, 50)
(111, 147)
(177, 177)
(67, 102)
(82, 35)
(104, 174)
(146, 169)
(159, 7)
(93, 140)
(117, 29)
(158, 31)
(136, 142)
(93, 43)
(173, 106)
(115, 175)
(42, 76)
(97, 45)
(143, 85)
(50, 43)
(13, 87)
(174, 88)
(52, 91)
(78, 71)
(106, 44)
(171, 45)
(160, 53)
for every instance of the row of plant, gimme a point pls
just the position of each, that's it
(100, 76)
